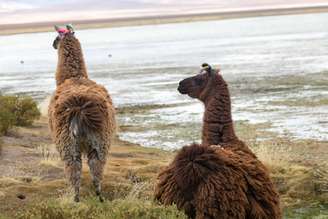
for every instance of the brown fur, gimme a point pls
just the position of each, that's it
(70, 60)
(81, 116)
(221, 178)
(211, 89)
(213, 182)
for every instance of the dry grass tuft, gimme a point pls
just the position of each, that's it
(130, 206)
(66, 197)
(298, 184)
(274, 155)
(8, 181)
(49, 155)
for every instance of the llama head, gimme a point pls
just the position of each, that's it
(200, 85)
(63, 32)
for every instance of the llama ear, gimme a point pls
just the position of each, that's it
(70, 28)
(218, 70)
(206, 67)
(56, 28)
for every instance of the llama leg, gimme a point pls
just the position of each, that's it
(73, 169)
(96, 169)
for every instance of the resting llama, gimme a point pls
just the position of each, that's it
(221, 178)
(81, 114)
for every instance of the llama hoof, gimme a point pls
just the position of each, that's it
(77, 199)
(101, 199)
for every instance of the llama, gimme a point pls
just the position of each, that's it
(221, 178)
(81, 114)
(212, 90)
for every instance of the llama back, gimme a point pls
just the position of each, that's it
(81, 108)
(206, 184)
(213, 182)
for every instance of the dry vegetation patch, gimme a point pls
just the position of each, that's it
(37, 189)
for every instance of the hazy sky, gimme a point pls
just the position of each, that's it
(26, 11)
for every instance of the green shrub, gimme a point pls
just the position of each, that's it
(7, 115)
(17, 111)
(26, 111)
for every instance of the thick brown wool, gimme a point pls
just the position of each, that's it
(70, 60)
(217, 120)
(222, 178)
(91, 103)
(81, 116)
(213, 182)
(218, 127)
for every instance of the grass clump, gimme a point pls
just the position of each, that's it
(17, 111)
(49, 155)
(299, 182)
(91, 208)
(133, 204)
(313, 212)
(3, 217)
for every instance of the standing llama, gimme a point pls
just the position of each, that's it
(81, 114)
(221, 178)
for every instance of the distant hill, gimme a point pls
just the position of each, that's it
(35, 11)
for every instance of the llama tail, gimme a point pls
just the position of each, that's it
(76, 128)
(84, 116)
(193, 164)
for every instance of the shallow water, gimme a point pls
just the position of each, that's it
(264, 60)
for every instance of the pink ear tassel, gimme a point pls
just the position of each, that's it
(62, 31)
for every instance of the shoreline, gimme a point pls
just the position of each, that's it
(12, 29)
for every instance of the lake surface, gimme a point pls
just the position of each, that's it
(276, 68)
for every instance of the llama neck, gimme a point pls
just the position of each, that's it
(70, 62)
(217, 121)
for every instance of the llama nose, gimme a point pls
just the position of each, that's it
(181, 89)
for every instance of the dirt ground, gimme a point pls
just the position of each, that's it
(31, 171)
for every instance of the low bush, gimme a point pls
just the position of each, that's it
(93, 209)
(17, 111)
